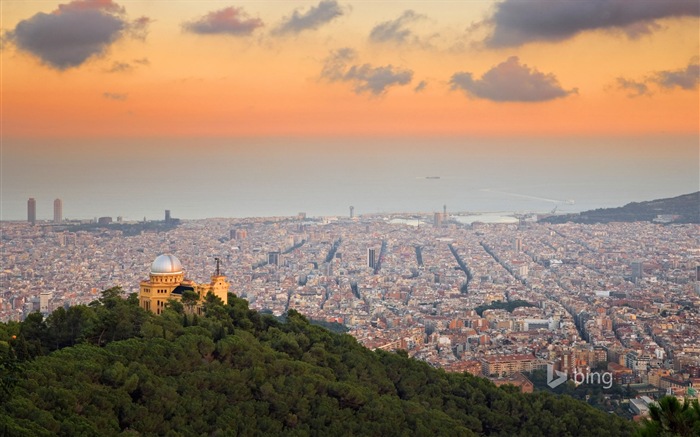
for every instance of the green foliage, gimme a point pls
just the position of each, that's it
(234, 371)
(498, 305)
(671, 418)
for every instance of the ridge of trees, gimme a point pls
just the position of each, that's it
(111, 368)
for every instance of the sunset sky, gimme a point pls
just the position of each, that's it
(103, 71)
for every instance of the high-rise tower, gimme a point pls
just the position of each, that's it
(57, 211)
(31, 211)
(352, 211)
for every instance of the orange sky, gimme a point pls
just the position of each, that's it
(180, 83)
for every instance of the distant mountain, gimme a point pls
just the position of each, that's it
(681, 209)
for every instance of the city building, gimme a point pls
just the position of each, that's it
(637, 270)
(504, 365)
(57, 211)
(167, 282)
(31, 211)
(167, 216)
(44, 298)
(371, 259)
(437, 219)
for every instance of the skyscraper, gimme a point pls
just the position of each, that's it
(371, 262)
(637, 270)
(57, 211)
(352, 211)
(167, 216)
(437, 220)
(31, 211)
(518, 244)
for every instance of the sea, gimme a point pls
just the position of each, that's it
(202, 178)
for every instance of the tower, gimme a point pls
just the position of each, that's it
(637, 270)
(167, 216)
(437, 220)
(57, 211)
(371, 261)
(352, 211)
(518, 244)
(31, 211)
(444, 212)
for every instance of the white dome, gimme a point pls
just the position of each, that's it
(166, 264)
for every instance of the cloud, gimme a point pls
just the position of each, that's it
(75, 32)
(510, 81)
(120, 67)
(115, 96)
(315, 17)
(228, 21)
(396, 31)
(365, 77)
(635, 88)
(421, 86)
(518, 22)
(686, 78)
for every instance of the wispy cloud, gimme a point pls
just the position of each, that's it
(421, 86)
(398, 30)
(511, 81)
(517, 22)
(75, 32)
(634, 88)
(227, 21)
(120, 67)
(365, 77)
(685, 78)
(115, 96)
(315, 17)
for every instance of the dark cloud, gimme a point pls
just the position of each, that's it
(365, 77)
(517, 22)
(686, 78)
(115, 96)
(228, 21)
(315, 17)
(397, 30)
(142, 61)
(75, 32)
(421, 86)
(510, 81)
(634, 88)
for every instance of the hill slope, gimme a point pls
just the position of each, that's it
(236, 372)
(685, 207)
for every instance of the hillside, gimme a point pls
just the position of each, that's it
(681, 209)
(112, 369)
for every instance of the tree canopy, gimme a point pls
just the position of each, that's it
(112, 368)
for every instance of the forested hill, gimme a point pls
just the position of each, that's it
(112, 369)
(681, 209)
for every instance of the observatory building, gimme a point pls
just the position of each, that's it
(167, 281)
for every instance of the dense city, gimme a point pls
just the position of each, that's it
(496, 298)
